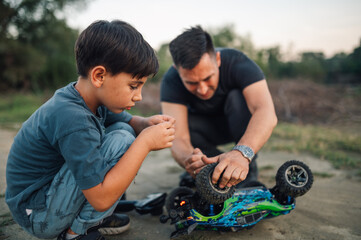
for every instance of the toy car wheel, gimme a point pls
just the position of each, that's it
(294, 178)
(176, 196)
(208, 191)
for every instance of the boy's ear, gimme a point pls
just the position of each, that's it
(97, 76)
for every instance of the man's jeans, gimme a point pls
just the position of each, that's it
(66, 205)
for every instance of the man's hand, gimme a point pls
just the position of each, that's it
(195, 162)
(233, 166)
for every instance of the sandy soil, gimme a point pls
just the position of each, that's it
(330, 210)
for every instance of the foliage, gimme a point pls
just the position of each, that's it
(342, 149)
(165, 61)
(341, 68)
(16, 108)
(36, 50)
(36, 47)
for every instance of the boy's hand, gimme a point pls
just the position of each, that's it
(159, 135)
(141, 123)
(156, 119)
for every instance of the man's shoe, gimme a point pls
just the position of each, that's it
(93, 235)
(114, 224)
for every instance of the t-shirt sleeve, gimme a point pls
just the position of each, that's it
(81, 151)
(246, 72)
(172, 89)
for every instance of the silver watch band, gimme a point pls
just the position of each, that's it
(246, 151)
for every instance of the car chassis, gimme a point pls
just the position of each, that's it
(229, 209)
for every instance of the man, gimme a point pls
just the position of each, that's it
(216, 96)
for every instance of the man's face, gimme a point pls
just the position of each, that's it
(203, 79)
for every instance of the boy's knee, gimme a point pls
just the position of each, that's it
(116, 143)
(120, 126)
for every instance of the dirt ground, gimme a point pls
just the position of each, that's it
(330, 210)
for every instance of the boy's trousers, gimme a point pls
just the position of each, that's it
(66, 205)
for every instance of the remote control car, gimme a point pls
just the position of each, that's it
(212, 208)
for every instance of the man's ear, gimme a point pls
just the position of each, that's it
(218, 58)
(97, 76)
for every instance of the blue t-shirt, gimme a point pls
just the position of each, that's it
(237, 71)
(63, 130)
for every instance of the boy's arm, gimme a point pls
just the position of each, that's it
(140, 123)
(117, 180)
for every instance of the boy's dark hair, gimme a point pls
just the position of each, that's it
(188, 48)
(118, 47)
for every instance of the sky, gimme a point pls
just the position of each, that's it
(329, 26)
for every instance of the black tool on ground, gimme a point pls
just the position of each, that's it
(152, 204)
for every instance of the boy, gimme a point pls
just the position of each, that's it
(76, 155)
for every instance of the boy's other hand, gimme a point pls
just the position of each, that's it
(156, 119)
(159, 135)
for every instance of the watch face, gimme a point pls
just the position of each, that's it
(245, 150)
(248, 152)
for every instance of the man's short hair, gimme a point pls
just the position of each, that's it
(188, 48)
(118, 47)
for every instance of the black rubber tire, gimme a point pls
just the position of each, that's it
(294, 179)
(173, 198)
(208, 191)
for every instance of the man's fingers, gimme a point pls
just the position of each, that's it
(193, 158)
(235, 177)
(208, 160)
(197, 151)
(218, 171)
(195, 166)
(226, 177)
(243, 175)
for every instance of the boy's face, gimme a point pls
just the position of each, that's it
(120, 92)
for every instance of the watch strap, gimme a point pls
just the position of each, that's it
(246, 151)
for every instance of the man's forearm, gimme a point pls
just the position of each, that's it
(259, 129)
(181, 150)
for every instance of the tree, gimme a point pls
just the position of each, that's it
(226, 36)
(36, 46)
(313, 66)
(165, 61)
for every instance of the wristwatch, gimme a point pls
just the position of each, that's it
(246, 151)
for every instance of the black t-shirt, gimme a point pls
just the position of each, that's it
(237, 71)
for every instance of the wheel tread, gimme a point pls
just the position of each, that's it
(206, 190)
(284, 186)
